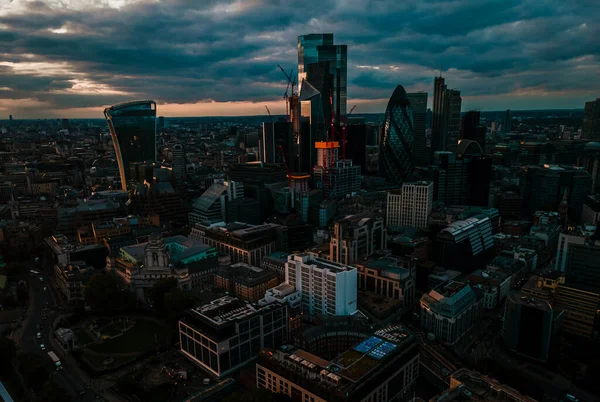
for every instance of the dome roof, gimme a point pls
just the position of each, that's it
(592, 146)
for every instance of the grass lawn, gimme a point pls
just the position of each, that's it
(98, 362)
(137, 339)
(113, 329)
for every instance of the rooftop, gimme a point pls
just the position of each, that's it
(224, 310)
(519, 298)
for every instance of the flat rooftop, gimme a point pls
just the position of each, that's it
(223, 310)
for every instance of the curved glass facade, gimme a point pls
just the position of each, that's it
(133, 130)
(397, 140)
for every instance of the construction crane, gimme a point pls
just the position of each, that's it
(287, 170)
(344, 135)
(291, 82)
(268, 111)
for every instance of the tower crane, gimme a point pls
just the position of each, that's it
(291, 82)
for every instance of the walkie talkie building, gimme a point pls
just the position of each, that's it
(397, 139)
(132, 127)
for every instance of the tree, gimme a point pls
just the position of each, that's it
(35, 370)
(174, 303)
(158, 291)
(257, 395)
(103, 295)
(8, 351)
(51, 392)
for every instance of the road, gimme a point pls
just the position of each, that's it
(44, 304)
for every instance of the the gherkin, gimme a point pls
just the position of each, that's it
(397, 139)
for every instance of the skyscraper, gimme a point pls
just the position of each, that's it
(452, 103)
(178, 162)
(397, 139)
(314, 48)
(591, 120)
(411, 206)
(446, 116)
(418, 105)
(439, 115)
(507, 126)
(132, 127)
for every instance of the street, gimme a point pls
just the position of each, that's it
(44, 304)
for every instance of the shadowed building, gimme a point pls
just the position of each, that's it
(397, 139)
(132, 127)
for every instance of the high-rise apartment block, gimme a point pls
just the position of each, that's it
(356, 237)
(411, 205)
(327, 288)
(591, 120)
(421, 150)
(132, 127)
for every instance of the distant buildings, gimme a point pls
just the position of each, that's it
(446, 116)
(225, 334)
(327, 288)
(211, 206)
(178, 162)
(65, 252)
(591, 120)
(397, 139)
(450, 311)
(356, 237)
(411, 205)
(383, 367)
(133, 129)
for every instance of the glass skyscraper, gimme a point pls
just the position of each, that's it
(133, 130)
(418, 105)
(314, 48)
(397, 139)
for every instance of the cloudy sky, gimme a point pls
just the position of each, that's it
(71, 58)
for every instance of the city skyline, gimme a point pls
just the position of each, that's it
(74, 60)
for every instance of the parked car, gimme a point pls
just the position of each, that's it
(43, 347)
(38, 335)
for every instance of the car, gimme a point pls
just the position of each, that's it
(44, 317)
(42, 346)
(38, 335)
(41, 279)
(45, 288)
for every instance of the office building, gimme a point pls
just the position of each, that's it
(411, 205)
(211, 206)
(139, 266)
(580, 306)
(159, 199)
(450, 311)
(580, 235)
(438, 124)
(591, 120)
(473, 386)
(591, 163)
(359, 136)
(257, 173)
(225, 334)
(276, 262)
(590, 215)
(242, 242)
(327, 288)
(340, 179)
(582, 268)
(529, 326)
(356, 237)
(421, 150)
(315, 48)
(245, 281)
(507, 125)
(452, 103)
(470, 129)
(178, 163)
(65, 252)
(71, 279)
(397, 139)
(465, 244)
(277, 144)
(383, 367)
(389, 277)
(450, 177)
(543, 188)
(132, 127)
(479, 177)
(494, 282)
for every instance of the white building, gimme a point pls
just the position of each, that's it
(211, 206)
(327, 288)
(411, 205)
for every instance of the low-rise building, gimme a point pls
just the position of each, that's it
(225, 334)
(71, 279)
(245, 281)
(64, 252)
(389, 277)
(383, 367)
(141, 265)
(356, 237)
(450, 311)
(276, 262)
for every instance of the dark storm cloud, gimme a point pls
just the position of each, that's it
(182, 51)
